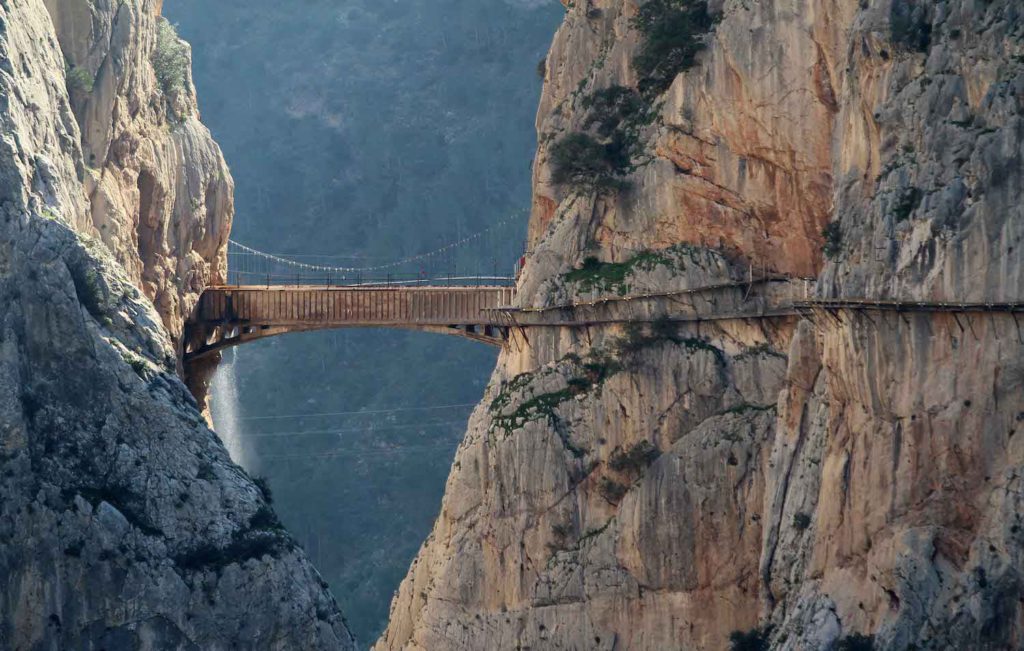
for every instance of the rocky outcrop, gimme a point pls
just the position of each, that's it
(160, 193)
(849, 476)
(123, 523)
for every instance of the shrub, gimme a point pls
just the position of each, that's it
(243, 547)
(909, 26)
(265, 518)
(801, 521)
(755, 639)
(170, 58)
(665, 328)
(542, 68)
(90, 290)
(79, 80)
(596, 158)
(636, 459)
(613, 108)
(833, 235)
(673, 33)
(906, 203)
(264, 485)
(611, 490)
(633, 340)
(856, 642)
(579, 160)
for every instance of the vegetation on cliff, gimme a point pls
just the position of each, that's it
(673, 33)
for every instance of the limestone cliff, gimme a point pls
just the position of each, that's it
(846, 478)
(123, 523)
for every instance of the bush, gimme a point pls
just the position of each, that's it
(636, 459)
(673, 33)
(909, 26)
(264, 485)
(613, 108)
(755, 639)
(243, 547)
(596, 158)
(79, 80)
(264, 518)
(170, 58)
(833, 246)
(580, 161)
(907, 202)
(801, 521)
(611, 490)
(633, 340)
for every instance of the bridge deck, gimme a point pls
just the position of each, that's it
(231, 315)
(227, 316)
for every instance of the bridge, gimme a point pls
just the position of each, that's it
(264, 304)
(232, 315)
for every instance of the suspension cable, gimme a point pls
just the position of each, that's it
(390, 265)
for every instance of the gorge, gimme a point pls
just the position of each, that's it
(844, 473)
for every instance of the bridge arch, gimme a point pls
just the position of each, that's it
(233, 315)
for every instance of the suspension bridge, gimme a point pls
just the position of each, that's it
(273, 295)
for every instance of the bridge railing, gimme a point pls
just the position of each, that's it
(239, 278)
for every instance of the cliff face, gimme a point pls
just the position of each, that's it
(123, 522)
(159, 192)
(815, 477)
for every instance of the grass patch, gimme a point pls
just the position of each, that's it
(585, 376)
(584, 163)
(264, 485)
(613, 277)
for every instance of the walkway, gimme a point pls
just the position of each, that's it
(232, 315)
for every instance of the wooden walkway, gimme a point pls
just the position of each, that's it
(232, 315)
(229, 316)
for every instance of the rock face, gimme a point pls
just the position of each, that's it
(123, 523)
(802, 480)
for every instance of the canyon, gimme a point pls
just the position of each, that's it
(835, 478)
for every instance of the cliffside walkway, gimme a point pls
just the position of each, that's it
(232, 315)
(273, 295)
